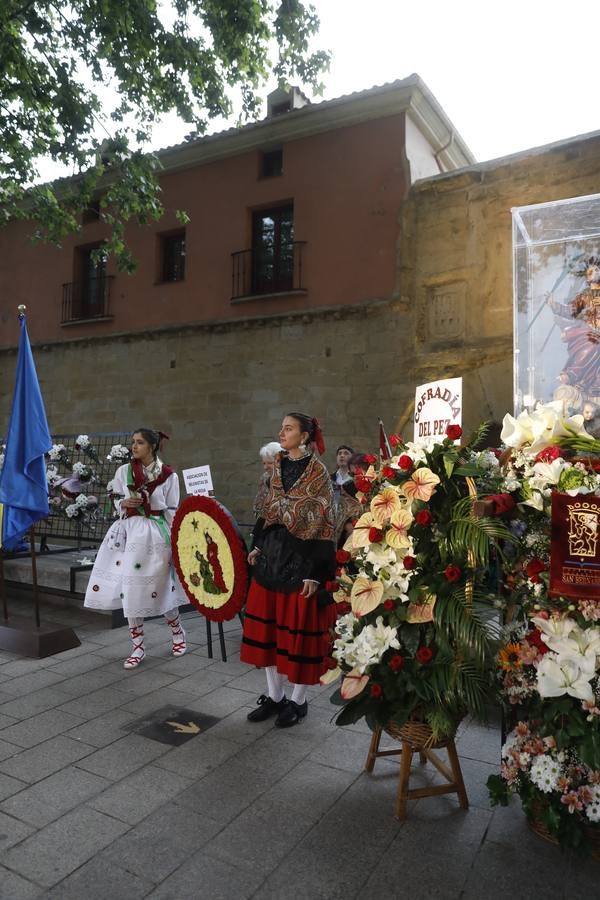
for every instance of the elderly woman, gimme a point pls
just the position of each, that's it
(268, 455)
(133, 569)
(288, 610)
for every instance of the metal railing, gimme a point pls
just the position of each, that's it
(83, 300)
(255, 272)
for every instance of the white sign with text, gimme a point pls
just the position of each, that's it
(198, 481)
(437, 405)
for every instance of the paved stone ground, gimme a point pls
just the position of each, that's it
(90, 810)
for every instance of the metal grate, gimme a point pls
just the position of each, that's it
(71, 518)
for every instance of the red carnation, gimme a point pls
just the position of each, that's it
(375, 535)
(405, 462)
(388, 472)
(332, 585)
(453, 432)
(549, 454)
(363, 484)
(370, 459)
(424, 655)
(533, 569)
(503, 503)
(409, 562)
(396, 662)
(342, 556)
(395, 439)
(389, 604)
(424, 517)
(452, 572)
(376, 691)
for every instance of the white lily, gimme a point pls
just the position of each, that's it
(557, 676)
(554, 629)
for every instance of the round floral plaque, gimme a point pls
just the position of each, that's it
(210, 558)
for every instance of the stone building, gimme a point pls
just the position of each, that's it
(337, 255)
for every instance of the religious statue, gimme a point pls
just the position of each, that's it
(580, 320)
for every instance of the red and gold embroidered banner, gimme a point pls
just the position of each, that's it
(575, 546)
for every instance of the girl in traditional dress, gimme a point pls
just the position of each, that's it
(133, 569)
(289, 609)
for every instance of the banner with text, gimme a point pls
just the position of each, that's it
(437, 405)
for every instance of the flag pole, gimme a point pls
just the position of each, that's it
(34, 579)
(3, 587)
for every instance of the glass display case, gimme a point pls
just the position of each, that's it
(556, 272)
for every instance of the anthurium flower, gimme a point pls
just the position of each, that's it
(360, 535)
(365, 595)
(421, 484)
(353, 684)
(397, 534)
(330, 676)
(384, 505)
(557, 676)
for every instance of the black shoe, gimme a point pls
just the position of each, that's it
(291, 714)
(266, 709)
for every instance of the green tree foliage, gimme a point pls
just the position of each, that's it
(61, 62)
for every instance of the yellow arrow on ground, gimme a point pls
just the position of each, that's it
(190, 728)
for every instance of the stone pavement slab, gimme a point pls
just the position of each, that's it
(38, 762)
(13, 887)
(51, 798)
(135, 797)
(36, 729)
(123, 757)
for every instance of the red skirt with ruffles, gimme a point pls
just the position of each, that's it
(287, 631)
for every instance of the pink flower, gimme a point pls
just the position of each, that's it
(522, 729)
(572, 801)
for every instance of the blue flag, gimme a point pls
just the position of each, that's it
(23, 487)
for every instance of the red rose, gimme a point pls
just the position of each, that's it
(424, 655)
(395, 439)
(389, 604)
(533, 569)
(409, 562)
(405, 462)
(343, 608)
(535, 639)
(503, 503)
(375, 535)
(332, 585)
(363, 484)
(396, 662)
(370, 459)
(549, 454)
(452, 572)
(388, 472)
(358, 470)
(424, 517)
(376, 691)
(453, 432)
(342, 556)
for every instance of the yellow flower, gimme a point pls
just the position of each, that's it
(509, 657)
(365, 595)
(397, 534)
(421, 484)
(384, 505)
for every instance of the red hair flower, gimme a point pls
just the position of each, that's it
(396, 662)
(424, 517)
(389, 604)
(453, 432)
(376, 691)
(405, 462)
(342, 556)
(424, 655)
(452, 572)
(375, 535)
(409, 562)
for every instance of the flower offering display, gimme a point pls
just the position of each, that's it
(414, 638)
(549, 661)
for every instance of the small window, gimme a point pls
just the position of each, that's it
(172, 256)
(271, 163)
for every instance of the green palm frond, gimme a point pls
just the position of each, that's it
(462, 625)
(478, 435)
(469, 534)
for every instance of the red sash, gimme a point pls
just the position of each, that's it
(146, 488)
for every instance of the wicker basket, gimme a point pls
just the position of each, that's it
(539, 827)
(417, 733)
